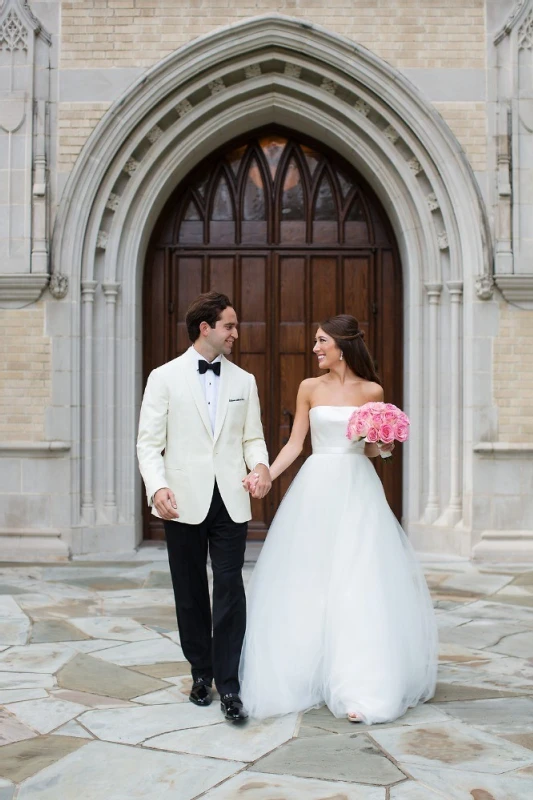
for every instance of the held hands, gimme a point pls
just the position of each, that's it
(258, 483)
(165, 504)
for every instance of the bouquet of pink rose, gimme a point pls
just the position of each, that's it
(378, 423)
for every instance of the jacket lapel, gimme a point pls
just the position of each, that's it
(223, 396)
(196, 389)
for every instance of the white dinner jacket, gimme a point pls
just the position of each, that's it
(174, 418)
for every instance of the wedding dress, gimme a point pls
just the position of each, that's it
(338, 608)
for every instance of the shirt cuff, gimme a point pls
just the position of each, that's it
(263, 463)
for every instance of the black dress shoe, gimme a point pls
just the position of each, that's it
(201, 692)
(231, 705)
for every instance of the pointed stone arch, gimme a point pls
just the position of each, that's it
(270, 69)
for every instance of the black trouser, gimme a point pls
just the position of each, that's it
(213, 649)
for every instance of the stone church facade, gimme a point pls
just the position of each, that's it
(400, 139)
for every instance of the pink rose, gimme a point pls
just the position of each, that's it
(389, 416)
(372, 435)
(401, 432)
(360, 427)
(386, 433)
(376, 420)
(391, 407)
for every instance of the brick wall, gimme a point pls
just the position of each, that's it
(406, 33)
(468, 121)
(76, 121)
(513, 374)
(25, 374)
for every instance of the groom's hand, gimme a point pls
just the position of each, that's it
(165, 504)
(263, 483)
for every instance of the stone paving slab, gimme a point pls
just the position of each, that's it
(353, 757)
(93, 674)
(258, 786)
(87, 674)
(453, 745)
(20, 761)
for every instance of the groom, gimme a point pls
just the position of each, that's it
(203, 412)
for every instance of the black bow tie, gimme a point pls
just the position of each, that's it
(203, 366)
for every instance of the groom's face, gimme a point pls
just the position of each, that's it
(224, 334)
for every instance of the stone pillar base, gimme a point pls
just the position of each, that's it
(32, 545)
(511, 547)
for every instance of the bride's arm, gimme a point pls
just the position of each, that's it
(294, 446)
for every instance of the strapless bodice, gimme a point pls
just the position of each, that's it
(328, 431)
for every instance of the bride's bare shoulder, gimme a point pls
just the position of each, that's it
(372, 392)
(307, 387)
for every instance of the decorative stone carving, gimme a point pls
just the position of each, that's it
(131, 166)
(252, 71)
(102, 239)
(292, 70)
(113, 202)
(183, 108)
(442, 239)
(414, 165)
(154, 134)
(484, 287)
(58, 285)
(512, 122)
(510, 21)
(362, 107)
(24, 123)
(13, 33)
(525, 33)
(329, 86)
(391, 133)
(216, 86)
(433, 203)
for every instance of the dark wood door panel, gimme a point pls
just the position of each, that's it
(293, 235)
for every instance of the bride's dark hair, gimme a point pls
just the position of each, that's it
(344, 329)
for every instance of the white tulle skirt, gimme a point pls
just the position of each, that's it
(338, 608)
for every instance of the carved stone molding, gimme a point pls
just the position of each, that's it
(154, 134)
(484, 287)
(511, 21)
(183, 107)
(433, 203)
(414, 165)
(22, 288)
(329, 86)
(362, 107)
(131, 166)
(515, 288)
(392, 134)
(442, 239)
(252, 71)
(113, 202)
(216, 86)
(525, 33)
(292, 70)
(102, 239)
(58, 285)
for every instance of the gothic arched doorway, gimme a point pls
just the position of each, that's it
(292, 234)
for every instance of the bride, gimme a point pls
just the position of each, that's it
(338, 608)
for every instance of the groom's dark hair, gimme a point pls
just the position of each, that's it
(206, 308)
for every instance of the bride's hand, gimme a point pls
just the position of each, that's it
(250, 482)
(386, 448)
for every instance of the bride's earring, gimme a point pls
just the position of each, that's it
(341, 356)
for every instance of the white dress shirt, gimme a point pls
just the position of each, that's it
(210, 384)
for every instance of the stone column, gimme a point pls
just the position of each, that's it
(88, 289)
(453, 512)
(432, 506)
(110, 502)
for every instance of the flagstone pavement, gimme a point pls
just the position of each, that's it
(94, 699)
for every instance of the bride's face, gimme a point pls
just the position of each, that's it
(326, 350)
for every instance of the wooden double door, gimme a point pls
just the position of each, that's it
(292, 235)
